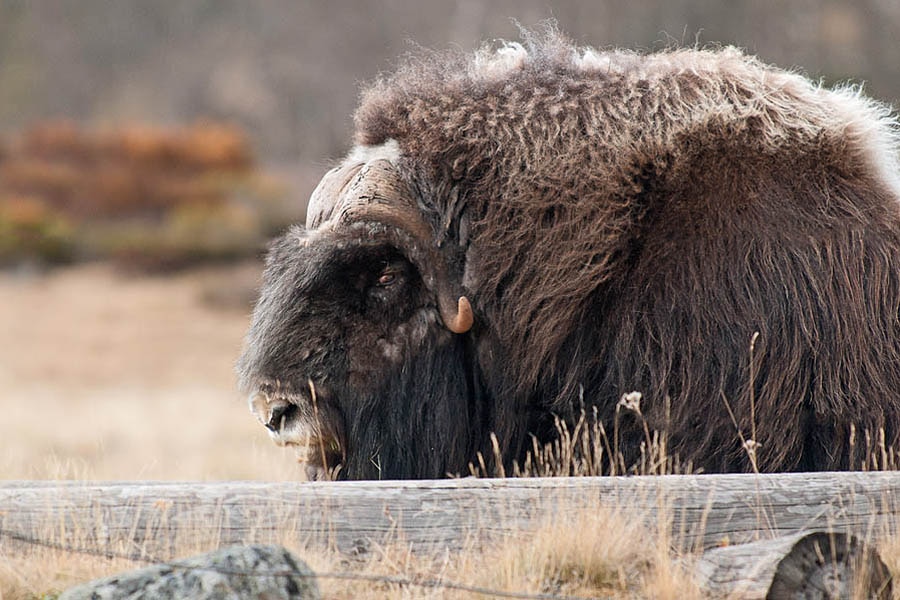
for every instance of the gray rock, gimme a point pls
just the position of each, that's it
(231, 573)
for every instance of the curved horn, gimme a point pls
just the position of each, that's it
(327, 195)
(459, 318)
(374, 191)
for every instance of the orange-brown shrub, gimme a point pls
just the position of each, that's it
(29, 229)
(120, 190)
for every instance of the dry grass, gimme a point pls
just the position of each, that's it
(594, 552)
(108, 377)
(112, 377)
(47, 573)
(599, 551)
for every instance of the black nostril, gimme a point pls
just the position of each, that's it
(279, 417)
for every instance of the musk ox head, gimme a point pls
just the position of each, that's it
(358, 331)
(527, 234)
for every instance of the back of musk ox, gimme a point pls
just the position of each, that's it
(523, 236)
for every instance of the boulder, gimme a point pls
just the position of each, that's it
(237, 572)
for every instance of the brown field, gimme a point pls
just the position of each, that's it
(106, 375)
(111, 376)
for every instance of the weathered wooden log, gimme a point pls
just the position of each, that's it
(819, 564)
(697, 511)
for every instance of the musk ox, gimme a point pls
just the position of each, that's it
(523, 235)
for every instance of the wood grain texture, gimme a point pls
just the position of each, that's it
(817, 564)
(699, 511)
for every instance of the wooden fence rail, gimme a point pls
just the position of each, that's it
(697, 511)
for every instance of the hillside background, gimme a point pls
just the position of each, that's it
(288, 71)
(149, 148)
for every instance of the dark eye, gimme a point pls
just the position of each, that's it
(387, 278)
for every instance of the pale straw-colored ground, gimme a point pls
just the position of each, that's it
(108, 376)
(105, 375)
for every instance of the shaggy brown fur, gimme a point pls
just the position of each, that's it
(623, 222)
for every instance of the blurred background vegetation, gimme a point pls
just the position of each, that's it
(161, 134)
(168, 132)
